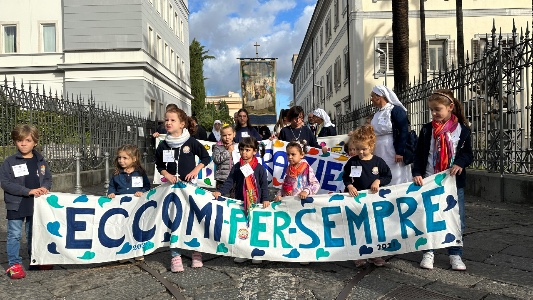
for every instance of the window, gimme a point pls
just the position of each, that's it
(49, 37)
(336, 13)
(152, 110)
(347, 105)
(178, 67)
(159, 49)
(328, 28)
(346, 65)
(480, 43)
(181, 32)
(344, 7)
(337, 73)
(171, 64)
(317, 54)
(151, 41)
(329, 82)
(338, 110)
(169, 15)
(165, 56)
(161, 111)
(158, 6)
(321, 40)
(175, 23)
(163, 5)
(437, 56)
(10, 39)
(384, 59)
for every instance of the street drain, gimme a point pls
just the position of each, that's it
(408, 292)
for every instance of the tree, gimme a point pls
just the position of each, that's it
(400, 42)
(197, 56)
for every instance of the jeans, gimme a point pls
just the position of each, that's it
(14, 234)
(175, 252)
(458, 250)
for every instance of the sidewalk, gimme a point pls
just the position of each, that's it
(498, 254)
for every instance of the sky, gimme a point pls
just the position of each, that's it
(229, 30)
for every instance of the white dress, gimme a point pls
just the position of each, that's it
(385, 145)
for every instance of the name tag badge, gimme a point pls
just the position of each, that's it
(356, 171)
(137, 181)
(236, 155)
(383, 121)
(20, 170)
(168, 156)
(247, 170)
(245, 134)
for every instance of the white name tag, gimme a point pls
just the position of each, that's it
(245, 134)
(20, 170)
(247, 170)
(236, 155)
(383, 121)
(137, 181)
(356, 171)
(168, 155)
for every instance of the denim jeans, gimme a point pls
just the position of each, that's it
(175, 252)
(458, 250)
(14, 234)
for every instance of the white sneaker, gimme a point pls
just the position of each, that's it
(427, 260)
(240, 259)
(257, 261)
(457, 263)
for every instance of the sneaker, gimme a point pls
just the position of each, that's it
(240, 260)
(197, 260)
(176, 265)
(377, 261)
(257, 261)
(16, 272)
(359, 263)
(427, 260)
(457, 263)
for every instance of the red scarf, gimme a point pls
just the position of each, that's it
(294, 172)
(443, 152)
(249, 190)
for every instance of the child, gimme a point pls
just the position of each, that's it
(300, 179)
(443, 144)
(174, 159)
(365, 171)
(249, 178)
(349, 148)
(222, 155)
(23, 176)
(129, 176)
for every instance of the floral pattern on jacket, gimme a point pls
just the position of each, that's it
(306, 181)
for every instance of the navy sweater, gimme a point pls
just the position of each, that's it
(400, 129)
(186, 159)
(122, 183)
(236, 178)
(368, 176)
(251, 132)
(463, 155)
(303, 133)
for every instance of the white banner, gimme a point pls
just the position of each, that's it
(81, 229)
(328, 167)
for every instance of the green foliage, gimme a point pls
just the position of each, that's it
(207, 116)
(197, 56)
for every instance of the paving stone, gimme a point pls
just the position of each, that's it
(519, 250)
(505, 260)
(158, 296)
(486, 241)
(474, 254)
(399, 276)
(372, 287)
(498, 288)
(499, 273)
(22, 289)
(191, 278)
(456, 291)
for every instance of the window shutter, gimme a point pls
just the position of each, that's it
(427, 55)
(451, 54)
(475, 50)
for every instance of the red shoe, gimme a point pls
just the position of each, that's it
(16, 272)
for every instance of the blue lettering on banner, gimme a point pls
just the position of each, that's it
(205, 212)
(358, 219)
(258, 227)
(431, 208)
(382, 209)
(219, 220)
(138, 234)
(105, 240)
(173, 225)
(315, 241)
(404, 216)
(73, 226)
(278, 229)
(328, 176)
(328, 225)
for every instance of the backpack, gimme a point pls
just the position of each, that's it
(410, 147)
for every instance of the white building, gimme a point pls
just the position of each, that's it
(133, 55)
(347, 48)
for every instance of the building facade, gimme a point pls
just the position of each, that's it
(232, 99)
(129, 54)
(348, 47)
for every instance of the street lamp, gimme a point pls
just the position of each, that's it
(319, 95)
(384, 54)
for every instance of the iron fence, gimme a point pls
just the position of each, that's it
(496, 92)
(70, 125)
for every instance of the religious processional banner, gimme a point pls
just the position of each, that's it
(328, 167)
(81, 229)
(258, 86)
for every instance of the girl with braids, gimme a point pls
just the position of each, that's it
(444, 143)
(175, 160)
(249, 178)
(365, 171)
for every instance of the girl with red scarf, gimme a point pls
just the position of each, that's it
(300, 179)
(443, 144)
(249, 178)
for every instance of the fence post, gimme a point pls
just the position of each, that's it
(145, 155)
(77, 189)
(502, 131)
(106, 182)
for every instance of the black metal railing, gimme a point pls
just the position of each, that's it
(70, 125)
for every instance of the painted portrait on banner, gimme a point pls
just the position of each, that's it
(258, 86)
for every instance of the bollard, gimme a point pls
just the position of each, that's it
(106, 182)
(77, 189)
(145, 156)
